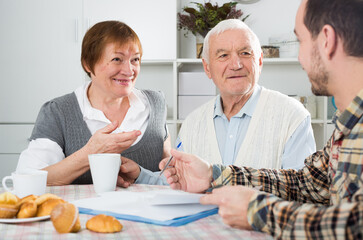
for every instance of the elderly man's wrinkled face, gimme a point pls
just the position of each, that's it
(233, 63)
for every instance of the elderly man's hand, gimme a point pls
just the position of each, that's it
(129, 172)
(233, 204)
(188, 172)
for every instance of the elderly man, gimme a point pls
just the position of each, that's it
(246, 118)
(246, 125)
(325, 198)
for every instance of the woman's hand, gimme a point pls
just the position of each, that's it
(67, 170)
(104, 141)
(129, 172)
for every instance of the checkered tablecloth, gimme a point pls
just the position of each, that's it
(209, 228)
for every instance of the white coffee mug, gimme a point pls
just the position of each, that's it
(27, 182)
(104, 170)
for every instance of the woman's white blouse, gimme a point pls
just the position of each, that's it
(43, 152)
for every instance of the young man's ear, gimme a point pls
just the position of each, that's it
(329, 41)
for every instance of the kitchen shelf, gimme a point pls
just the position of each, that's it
(280, 61)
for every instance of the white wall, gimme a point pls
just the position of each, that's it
(267, 18)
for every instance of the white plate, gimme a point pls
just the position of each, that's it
(23, 220)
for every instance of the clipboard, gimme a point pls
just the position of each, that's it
(159, 207)
(176, 222)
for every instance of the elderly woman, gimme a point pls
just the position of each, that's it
(106, 115)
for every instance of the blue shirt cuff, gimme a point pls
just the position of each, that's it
(151, 178)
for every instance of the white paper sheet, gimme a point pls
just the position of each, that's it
(171, 197)
(159, 205)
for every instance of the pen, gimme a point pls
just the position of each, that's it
(167, 164)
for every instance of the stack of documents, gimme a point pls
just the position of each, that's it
(160, 207)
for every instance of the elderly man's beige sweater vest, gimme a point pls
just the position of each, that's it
(275, 119)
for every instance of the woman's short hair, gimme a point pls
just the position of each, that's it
(227, 25)
(101, 34)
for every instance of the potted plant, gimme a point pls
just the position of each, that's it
(204, 17)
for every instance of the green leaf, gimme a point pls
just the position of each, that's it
(206, 16)
(199, 5)
(191, 11)
(243, 19)
(233, 4)
(208, 5)
(226, 6)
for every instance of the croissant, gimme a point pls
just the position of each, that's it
(104, 224)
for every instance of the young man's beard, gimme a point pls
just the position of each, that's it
(318, 75)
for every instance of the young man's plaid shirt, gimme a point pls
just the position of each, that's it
(322, 200)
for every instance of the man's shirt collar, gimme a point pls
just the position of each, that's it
(248, 109)
(346, 120)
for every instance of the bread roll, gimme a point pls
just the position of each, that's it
(104, 224)
(46, 207)
(8, 211)
(27, 209)
(65, 218)
(44, 197)
(27, 198)
(8, 198)
(8, 205)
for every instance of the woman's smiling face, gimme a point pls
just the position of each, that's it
(116, 71)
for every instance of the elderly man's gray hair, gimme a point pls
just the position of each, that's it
(227, 25)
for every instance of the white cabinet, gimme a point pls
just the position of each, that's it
(8, 164)
(153, 21)
(40, 55)
(40, 59)
(13, 139)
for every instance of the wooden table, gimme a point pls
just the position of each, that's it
(209, 228)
